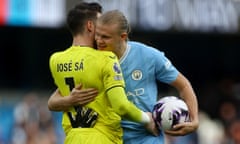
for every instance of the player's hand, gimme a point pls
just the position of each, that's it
(182, 129)
(79, 96)
(84, 118)
(151, 127)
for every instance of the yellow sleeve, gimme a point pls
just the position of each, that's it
(51, 64)
(125, 108)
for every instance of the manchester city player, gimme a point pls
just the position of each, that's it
(142, 67)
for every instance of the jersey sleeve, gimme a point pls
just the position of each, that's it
(51, 64)
(165, 71)
(122, 106)
(112, 73)
(58, 81)
(114, 84)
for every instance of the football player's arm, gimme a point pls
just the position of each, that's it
(78, 96)
(125, 108)
(56, 102)
(129, 111)
(187, 93)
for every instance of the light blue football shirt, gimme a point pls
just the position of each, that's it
(142, 66)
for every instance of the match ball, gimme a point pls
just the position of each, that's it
(169, 111)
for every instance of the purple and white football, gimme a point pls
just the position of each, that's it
(169, 111)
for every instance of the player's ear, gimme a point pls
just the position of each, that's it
(90, 26)
(124, 36)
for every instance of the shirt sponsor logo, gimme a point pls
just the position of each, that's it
(136, 92)
(134, 95)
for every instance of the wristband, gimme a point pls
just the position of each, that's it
(145, 118)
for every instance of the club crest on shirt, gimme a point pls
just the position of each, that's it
(136, 75)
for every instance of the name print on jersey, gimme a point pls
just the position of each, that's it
(70, 66)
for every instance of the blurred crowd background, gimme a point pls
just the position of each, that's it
(200, 37)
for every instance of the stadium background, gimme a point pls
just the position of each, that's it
(201, 38)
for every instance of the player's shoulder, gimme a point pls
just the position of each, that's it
(147, 49)
(56, 55)
(59, 54)
(108, 54)
(66, 52)
(136, 44)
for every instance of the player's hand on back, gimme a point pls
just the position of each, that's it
(151, 127)
(79, 96)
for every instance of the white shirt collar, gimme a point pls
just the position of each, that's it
(121, 60)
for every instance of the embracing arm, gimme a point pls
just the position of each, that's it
(125, 108)
(128, 110)
(187, 93)
(78, 96)
(57, 102)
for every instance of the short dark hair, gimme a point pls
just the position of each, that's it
(81, 13)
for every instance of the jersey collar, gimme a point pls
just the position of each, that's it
(125, 54)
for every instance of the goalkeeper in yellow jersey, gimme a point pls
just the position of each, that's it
(99, 120)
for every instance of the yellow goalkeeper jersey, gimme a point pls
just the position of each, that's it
(95, 69)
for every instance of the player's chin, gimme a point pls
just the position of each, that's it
(100, 48)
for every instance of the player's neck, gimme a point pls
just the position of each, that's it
(122, 50)
(82, 41)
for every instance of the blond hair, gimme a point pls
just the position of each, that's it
(115, 17)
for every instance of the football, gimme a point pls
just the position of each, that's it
(168, 111)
